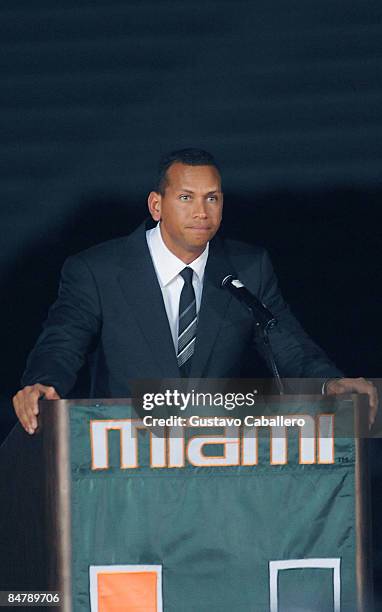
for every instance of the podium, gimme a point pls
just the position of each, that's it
(121, 515)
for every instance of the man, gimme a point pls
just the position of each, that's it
(130, 305)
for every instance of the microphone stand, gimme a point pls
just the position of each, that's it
(264, 321)
(262, 331)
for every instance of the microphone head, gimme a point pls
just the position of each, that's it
(232, 282)
(227, 279)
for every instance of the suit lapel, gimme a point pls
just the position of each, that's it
(141, 289)
(213, 307)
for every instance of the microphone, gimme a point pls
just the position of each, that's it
(263, 316)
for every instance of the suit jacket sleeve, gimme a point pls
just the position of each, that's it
(72, 326)
(296, 354)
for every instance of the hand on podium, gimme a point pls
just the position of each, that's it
(337, 386)
(25, 403)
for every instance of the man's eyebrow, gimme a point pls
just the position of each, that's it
(190, 191)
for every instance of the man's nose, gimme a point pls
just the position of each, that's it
(200, 209)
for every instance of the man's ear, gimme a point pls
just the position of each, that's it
(154, 203)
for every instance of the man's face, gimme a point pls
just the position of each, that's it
(190, 210)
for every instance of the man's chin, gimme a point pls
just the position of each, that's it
(199, 236)
(199, 243)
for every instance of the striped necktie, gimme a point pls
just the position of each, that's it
(187, 323)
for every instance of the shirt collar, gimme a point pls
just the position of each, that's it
(168, 265)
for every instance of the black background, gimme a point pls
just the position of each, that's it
(286, 95)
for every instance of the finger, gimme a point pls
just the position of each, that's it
(19, 410)
(22, 412)
(39, 391)
(31, 397)
(365, 386)
(373, 394)
(31, 404)
(373, 400)
(50, 393)
(28, 406)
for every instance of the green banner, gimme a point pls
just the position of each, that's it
(211, 519)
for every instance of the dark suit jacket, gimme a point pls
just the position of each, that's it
(110, 307)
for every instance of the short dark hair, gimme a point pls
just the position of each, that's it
(190, 157)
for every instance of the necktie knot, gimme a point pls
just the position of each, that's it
(187, 274)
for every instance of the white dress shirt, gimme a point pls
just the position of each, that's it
(167, 267)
